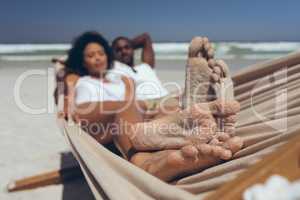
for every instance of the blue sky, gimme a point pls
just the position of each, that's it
(52, 21)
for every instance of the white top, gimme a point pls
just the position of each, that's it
(89, 89)
(148, 86)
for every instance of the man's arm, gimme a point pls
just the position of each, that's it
(144, 41)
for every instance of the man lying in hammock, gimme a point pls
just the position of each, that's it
(142, 73)
(181, 141)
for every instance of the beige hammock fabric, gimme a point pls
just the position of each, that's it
(270, 114)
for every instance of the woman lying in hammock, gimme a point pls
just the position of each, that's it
(180, 141)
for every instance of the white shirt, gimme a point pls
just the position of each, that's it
(148, 86)
(89, 89)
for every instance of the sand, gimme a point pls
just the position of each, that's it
(32, 143)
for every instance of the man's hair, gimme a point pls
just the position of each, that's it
(114, 42)
(74, 63)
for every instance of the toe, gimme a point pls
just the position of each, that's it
(205, 149)
(207, 46)
(175, 159)
(221, 153)
(196, 45)
(189, 151)
(234, 144)
(215, 142)
(216, 151)
(210, 53)
(223, 136)
(221, 108)
(205, 40)
(208, 50)
(230, 119)
(232, 108)
(215, 77)
(224, 67)
(225, 154)
(212, 63)
(217, 70)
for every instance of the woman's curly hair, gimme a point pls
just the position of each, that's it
(74, 62)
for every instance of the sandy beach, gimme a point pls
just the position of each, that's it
(32, 143)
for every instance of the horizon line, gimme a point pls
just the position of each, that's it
(161, 41)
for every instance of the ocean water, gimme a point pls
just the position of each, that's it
(163, 51)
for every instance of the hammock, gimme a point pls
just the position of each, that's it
(270, 114)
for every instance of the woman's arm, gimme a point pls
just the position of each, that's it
(98, 118)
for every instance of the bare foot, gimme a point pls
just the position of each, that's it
(208, 79)
(225, 92)
(199, 74)
(195, 125)
(169, 164)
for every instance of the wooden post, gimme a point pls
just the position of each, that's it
(47, 178)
